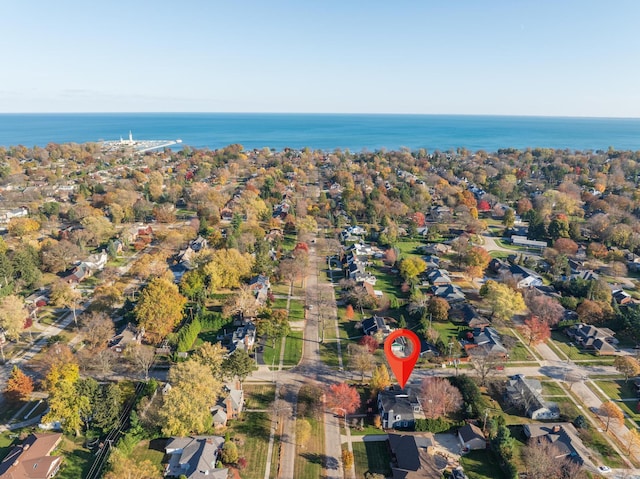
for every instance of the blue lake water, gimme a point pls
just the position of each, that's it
(326, 131)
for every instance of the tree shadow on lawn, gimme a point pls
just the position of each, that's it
(254, 424)
(329, 462)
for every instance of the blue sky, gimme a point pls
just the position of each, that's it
(565, 58)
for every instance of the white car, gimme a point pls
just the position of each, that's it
(604, 469)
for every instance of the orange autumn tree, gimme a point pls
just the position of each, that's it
(349, 313)
(19, 386)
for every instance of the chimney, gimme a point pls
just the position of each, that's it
(556, 429)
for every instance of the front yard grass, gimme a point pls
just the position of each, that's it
(310, 458)
(259, 396)
(562, 342)
(618, 389)
(551, 388)
(293, 349)
(271, 353)
(252, 433)
(372, 457)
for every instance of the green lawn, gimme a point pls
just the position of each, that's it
(594, 440)
(410, 247)
(329, 354)
(550, 388)
(481, 465)
(150, 450)
(270, 354)
(280, 303)
(618, 389)
(77, 459)
(310, 458)
(562, 342)
(293, 348)
(252, 431)
(6, 443)
(296, 310)
(371, 457)
(258, 396)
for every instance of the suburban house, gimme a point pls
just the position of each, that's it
(621, 297)
(260, 286)
(194, 457)
(471, 438)
(8, 215)
(525, 277)
(562, 435)
(88, 267)
(468, 314)
(586, 275)
(398, 408)
(243, 338)
(435, 249)
(413, 457)
(376, 325)
(439, 277)
(527, 394)
(527, 243)
(230, 405)
(32, 459)
(449, 292)
(486, 341)
(591, 337)
(129, 335)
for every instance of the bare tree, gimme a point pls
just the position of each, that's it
(542, 461)
(484, 364)
(97, 329)
(141, 358)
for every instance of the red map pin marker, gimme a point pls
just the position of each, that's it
(402, 367)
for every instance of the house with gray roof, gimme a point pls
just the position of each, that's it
(527, 394)
(195, 457)
(413, 457)
(398, 408)
(564, 437)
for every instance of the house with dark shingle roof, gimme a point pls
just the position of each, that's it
(413, 458)
(398, 408)
(195, 457)
(563, 436)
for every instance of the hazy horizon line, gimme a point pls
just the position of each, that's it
(314, 114)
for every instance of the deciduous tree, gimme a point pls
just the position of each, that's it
(546, 308)
(610, 410)
(411, 267)
(186, 406)
(227, 268)
(123, 467)
(12, 316)
(97, 329)
(542, 460)
(242, 302)
(212, 355)
(160, 307)
(438, 308)
(140, 358)
(360, 360)
(343, 398)
(627, 365)
(484, 364)
(369, 342)
(64, 295)
(380, 380)
(19, 386)
(439, 397)
(504, 301)
(535, 331)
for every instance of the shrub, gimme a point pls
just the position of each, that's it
(439, 424)
(347, 458)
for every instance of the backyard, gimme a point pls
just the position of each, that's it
(372, 456)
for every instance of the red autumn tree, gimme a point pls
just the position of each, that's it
(369, 342)
(535, 330)
(19, 386)
(565, 246)
(419, 219)
(484, 206)
(343, 398)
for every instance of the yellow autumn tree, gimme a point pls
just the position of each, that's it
(160, 307)
(227, 268)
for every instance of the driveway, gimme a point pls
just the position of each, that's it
(448, 443)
